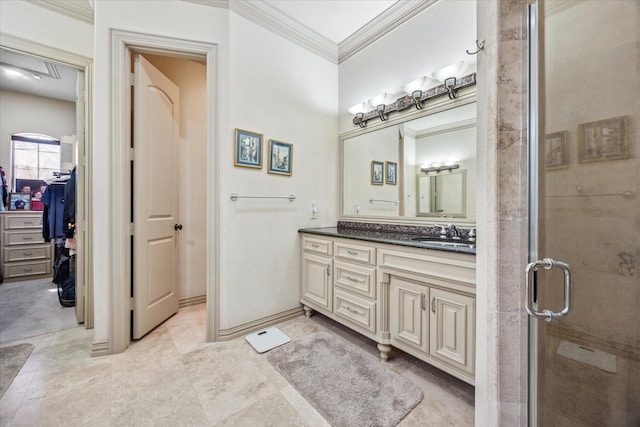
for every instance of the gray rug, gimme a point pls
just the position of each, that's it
(348, 386)
(12, 359)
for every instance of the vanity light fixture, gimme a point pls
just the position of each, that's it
(450, 70)
(438, 169)
(416, 95)
(382, 105)
(450, 84)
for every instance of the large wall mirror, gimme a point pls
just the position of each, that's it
(428, 164)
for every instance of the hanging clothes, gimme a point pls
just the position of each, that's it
(53, 213)
(69, 212)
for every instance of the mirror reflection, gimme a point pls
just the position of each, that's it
(435, 165)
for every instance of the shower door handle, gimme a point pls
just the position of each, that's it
(548, 264)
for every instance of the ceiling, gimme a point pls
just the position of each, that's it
(334, 20)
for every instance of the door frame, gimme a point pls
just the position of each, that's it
(123, 43)
(82, 64)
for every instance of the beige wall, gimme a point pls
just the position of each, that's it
(34, 114)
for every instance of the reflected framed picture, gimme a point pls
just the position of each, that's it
(19, 202)
(377, 172)
(248, 149)
(391, 173)
(280, 157)
(555, 150)
(603, 140)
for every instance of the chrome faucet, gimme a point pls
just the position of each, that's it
(443, 231)
(455, 233)
(472, 234)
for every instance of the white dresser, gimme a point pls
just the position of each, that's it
(24, 254)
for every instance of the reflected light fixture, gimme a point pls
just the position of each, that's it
(438, 167)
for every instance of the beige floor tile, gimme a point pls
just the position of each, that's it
(272, 411)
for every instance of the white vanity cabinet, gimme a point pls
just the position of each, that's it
(421, 301)
(317, 262)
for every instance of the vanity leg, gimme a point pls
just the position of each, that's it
(307, 310)
(384, 351)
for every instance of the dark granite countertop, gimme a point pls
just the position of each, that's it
(388, 237)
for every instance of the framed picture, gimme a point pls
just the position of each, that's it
(280, 157)
(20, 202)
(391, 169)
(555, 150)
(248, 149)
(603, 140)
(377, 172)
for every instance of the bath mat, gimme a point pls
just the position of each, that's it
(267, 339)
(12, 359)
(345, 384)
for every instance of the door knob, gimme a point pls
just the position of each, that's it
(177, 227)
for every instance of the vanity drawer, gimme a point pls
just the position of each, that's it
(24, 269)
(13, 222)
(355, 310)
(359, 279)
(359, 253)
(25, 237)
(26, 253)
(319, 246)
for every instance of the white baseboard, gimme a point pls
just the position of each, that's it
(99, 349)
(247, 328)
(190, 301)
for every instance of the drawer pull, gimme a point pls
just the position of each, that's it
(351, 310)
(433, 304)
(27, 253)
(328, 270)
(352, 253)
(27, 270)
(351, 278)
(27, 238)
(27, 222)
(314, 245)
(422, 296)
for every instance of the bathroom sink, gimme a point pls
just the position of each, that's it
(447, 242)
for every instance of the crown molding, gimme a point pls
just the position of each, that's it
(78, 9)
(273, 19)
(383, 24)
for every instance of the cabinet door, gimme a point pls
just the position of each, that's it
(316, 281)
(409, 319)
(452, 329)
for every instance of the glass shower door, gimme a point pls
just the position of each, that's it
(585, 213)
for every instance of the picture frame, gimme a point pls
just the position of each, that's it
(280, 157)
(391, 173)
(603, 140)
(248, 151)
(377, 172)
(555, 150)
(19, 202)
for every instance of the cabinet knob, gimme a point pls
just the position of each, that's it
(177, 227)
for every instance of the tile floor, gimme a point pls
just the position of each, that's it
(173, 378)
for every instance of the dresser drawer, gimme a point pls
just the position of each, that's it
(359, 253)
(12, 254)
(12, 222)
(24, 269)
(359, 279)
(12, 238)
(315, 245)
(355, 310)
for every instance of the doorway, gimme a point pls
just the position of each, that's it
(58, 67)
(585, 186)
(172, 57)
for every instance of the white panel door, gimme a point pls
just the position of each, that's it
(409, 322)
(155, 197)
(316, 283)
